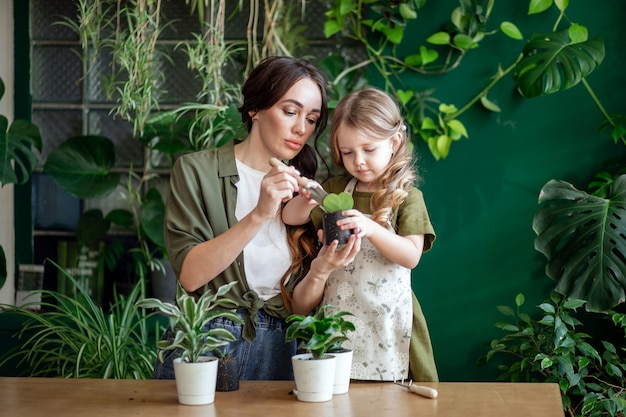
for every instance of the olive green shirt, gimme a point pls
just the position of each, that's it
(200, 206)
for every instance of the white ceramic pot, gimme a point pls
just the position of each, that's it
(343, 367)
(314, 377)
(195, 382)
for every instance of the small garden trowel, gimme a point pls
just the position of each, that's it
(313, 187)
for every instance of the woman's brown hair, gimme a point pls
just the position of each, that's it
(267, 83)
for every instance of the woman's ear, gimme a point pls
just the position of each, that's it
(252, 115)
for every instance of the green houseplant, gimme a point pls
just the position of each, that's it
(227, 369)
(73, 337)
(333, 205)
(314, 371)
(188, 317)
(590, 370)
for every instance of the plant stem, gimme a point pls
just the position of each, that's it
(496, 79)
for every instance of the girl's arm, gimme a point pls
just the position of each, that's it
(402, 250)
(297, 211)
(308, 293)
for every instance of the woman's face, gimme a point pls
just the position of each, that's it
(284, 128)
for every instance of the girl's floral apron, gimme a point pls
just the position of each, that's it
(378, 293)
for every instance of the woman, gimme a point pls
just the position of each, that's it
(223, 223)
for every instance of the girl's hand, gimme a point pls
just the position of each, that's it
(278, 186)
(362, 225)
(306, 194)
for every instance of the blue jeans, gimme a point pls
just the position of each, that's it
(268, 357)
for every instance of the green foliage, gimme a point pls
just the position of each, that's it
(20, 144)
(320, 333)
(338, 202)
(550, 62)
(584, 239)
(75, 338)
(590, 373)
(553, 62)
(188, 318)
(81, 166)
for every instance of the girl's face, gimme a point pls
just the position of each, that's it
(284, 128)
(364, 158)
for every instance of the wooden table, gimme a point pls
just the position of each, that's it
(48, 397)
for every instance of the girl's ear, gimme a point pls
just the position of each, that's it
(252, 114)
(396, 140)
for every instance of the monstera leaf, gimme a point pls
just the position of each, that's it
(152, 215)
(584, 239)
(552, 62)
(18, 143)
(81, 166)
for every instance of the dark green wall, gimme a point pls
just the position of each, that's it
(482, 198)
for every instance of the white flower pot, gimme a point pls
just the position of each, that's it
(195, 382)
(342, 371)
(314, 377)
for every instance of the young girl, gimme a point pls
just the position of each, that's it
(369, 140)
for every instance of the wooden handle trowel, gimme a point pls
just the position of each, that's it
(313, 187)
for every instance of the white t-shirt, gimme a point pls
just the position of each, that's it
(267, 256)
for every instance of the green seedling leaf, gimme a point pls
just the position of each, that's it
(510, 30)
(338, 202)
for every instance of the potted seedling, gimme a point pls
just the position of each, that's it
(195, 370)
(314, 370)
(334, 205)
(227, 369)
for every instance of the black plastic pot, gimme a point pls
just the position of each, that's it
(332, 231)
(227, 374)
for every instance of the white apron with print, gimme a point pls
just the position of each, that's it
(378, 293)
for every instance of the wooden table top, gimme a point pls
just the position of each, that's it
(51, 397)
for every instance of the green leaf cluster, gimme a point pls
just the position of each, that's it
(590, 375)
(76, 338)
(188, 318)
(321, 332)
(338, 202)
(583, 238)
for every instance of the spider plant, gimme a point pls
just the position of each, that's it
(76, 338)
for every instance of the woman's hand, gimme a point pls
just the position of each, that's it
(330, 257)
(278, 186)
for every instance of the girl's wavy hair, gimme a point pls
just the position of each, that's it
(268, 82)
(376, 114)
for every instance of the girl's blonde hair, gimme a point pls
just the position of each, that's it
(374, 112)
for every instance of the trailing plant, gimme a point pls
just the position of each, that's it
(590, 373)
(75, 338)
(321, 332)
(557, 59)
(188, 318)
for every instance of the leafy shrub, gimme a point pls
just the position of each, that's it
(552, 349)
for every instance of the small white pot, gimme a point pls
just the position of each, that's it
(314, 377)
(195, 382)
(342, 371)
